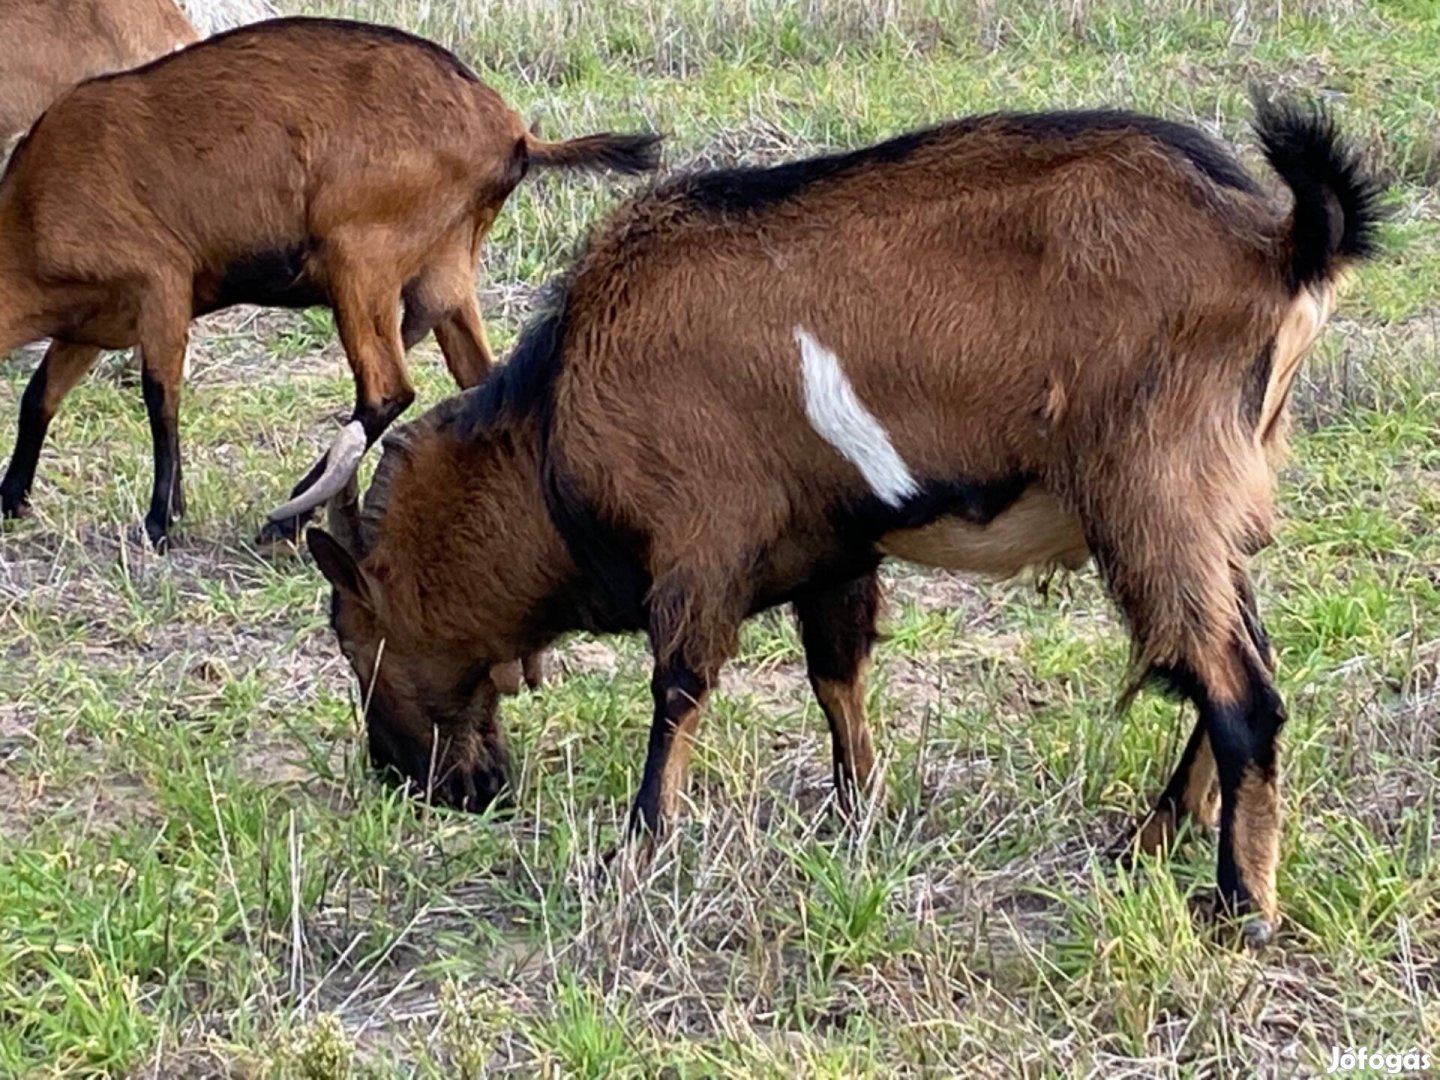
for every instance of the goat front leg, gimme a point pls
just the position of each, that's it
(837, 626)
(62, 368)
(693, 631)
(164, 334)
(370, 333)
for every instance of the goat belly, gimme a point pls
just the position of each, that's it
(1034, 532)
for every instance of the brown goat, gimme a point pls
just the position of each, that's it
(50, 45)
(291, 163)
(1011, 341)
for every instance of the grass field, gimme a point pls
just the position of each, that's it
(199, 877)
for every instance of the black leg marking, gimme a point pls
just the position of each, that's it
(678, 694)
(34, 423)
(166, 500)
(1242, 734)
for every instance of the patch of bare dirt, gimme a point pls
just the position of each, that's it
(103, 803)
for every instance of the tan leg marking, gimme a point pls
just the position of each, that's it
(677, 761)
(844, 706)
(1256, 836)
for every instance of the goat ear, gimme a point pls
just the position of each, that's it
(338, 565)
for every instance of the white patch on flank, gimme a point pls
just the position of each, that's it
(841, 419)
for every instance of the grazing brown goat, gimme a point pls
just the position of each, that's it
(290, 163)
(47, 46)
(1011, 341)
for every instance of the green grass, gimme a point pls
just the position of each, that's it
(199, 877)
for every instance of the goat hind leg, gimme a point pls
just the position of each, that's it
(1242, 713)
(1192, 792)
(62, 368)
(679, 693)
(463, 343)
(1180, 596)
(1194, 789)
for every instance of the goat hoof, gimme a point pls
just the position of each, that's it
(17, 506)
(289, 531)
(625, 864)
(1121, 851)
(618, 866)
(1155, 835)
(482, 789)
(158, 535)
(1229, 915)
(602, 870)
(1257, 932)
(279, 533)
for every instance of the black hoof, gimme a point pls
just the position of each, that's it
(158, 534)
(478, 789)
(280, 533)
(624, 865)
(14, 506)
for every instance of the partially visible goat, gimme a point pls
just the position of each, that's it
(1010, 341)
(47, 46)
(291, 163)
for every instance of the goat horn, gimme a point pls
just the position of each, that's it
(342, 515)
(341, 462)
(400, 440)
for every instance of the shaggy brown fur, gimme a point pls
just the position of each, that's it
(333, 163)
(1071, 326)
(48, 46)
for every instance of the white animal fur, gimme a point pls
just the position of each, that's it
(841, 419)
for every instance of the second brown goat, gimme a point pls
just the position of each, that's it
(291, 163)
(49, 45)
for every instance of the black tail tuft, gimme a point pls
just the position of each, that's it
(1337, 199)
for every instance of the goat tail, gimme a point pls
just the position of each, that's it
(1337, 199)
(630, 154)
